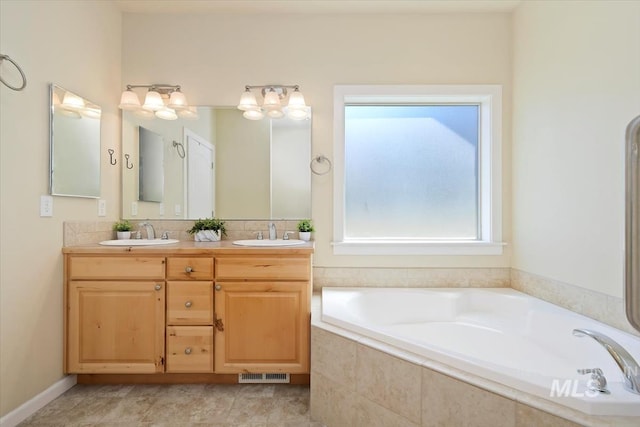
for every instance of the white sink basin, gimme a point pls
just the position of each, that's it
(138, 242)
(266, 242)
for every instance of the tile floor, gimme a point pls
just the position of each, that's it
(254, 405)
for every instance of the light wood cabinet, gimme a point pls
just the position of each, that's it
(264, 327)
(263, 306)
(115, 327)
(187, 311)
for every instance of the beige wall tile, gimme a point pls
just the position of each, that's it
(370, 414)
(334, 357)
(450, 402)
(332, 403)
(526, 416)
(390, 382)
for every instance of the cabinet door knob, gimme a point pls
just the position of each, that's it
(187, 350)
(188, 269)
(218, 287)
(158, 287)
(188, 304)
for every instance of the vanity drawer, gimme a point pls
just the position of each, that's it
(252, 267)
(190, 268)
(190, 349)
(109, 268)
(189, 303)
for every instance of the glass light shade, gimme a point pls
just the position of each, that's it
(91, 113)
(255, 114)
(190, 113)
(247, 101)
(55, 99)
(298, 113)
(72, 102)
(177, 101)
(275, 113)
(143, 114)
(129, 101)
(271, 100)
(296, 100)
(153, 101)
(166, 114)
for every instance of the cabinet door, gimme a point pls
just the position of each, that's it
(265, 327)
(115, 327)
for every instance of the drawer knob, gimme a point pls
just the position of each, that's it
(158, 287)
(218, 287)
(188, 304)
(187, 350)
(188, 269)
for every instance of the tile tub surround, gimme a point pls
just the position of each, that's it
(362, 382)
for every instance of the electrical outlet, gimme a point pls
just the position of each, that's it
(102, 207)
(134, 208)
(46, 205)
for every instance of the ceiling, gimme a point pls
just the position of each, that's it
(316, 6)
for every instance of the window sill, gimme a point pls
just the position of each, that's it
(388, 247)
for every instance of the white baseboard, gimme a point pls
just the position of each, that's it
(29, 407)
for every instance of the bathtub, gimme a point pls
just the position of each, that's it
(499, 334)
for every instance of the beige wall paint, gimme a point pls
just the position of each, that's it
(576, 86)
(77, 45)
(214, 56)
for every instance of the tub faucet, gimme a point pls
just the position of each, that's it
(273, 235)
(151, 233)
(627, 364)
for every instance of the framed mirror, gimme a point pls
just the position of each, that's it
(219, 164)
(74, 144)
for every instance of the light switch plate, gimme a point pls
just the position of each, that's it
(134, 208)
(46, 205)
(178, 209)
(161, 209)
(102, 207)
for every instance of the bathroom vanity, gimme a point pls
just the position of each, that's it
(210, 309)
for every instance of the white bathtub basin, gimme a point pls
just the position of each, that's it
(138, 242)
(266, 242)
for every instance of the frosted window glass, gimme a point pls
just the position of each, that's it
(411, 171)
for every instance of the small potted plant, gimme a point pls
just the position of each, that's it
(123, 229)
(208, 230)
(305, 227)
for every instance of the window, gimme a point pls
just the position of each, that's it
(417, 170)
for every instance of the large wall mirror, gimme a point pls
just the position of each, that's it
(74, 144)
(218, 164)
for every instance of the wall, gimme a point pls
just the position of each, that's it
(213, 56)
(576, 87)
(77, 45)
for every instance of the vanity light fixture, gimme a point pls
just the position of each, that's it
(75, 106)
(273, 97)
(161, 100)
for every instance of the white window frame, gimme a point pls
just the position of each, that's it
(489, 98)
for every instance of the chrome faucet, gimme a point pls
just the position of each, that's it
(627, 364)
(151, 233)
(273, 235)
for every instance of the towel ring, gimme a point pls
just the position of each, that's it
(24, 78)
(317, 161)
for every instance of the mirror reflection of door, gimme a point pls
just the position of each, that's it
(200, 180)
